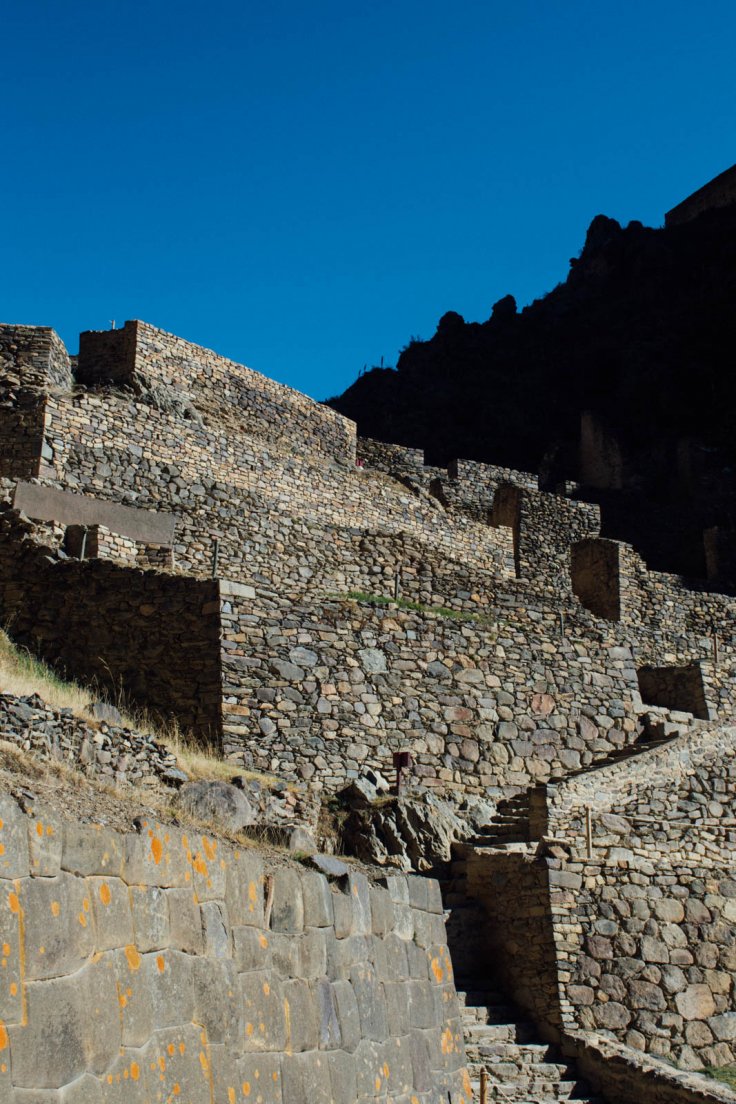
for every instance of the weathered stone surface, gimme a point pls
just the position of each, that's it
(218, 803)
(695, 1003)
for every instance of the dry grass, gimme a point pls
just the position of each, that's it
(22, 674)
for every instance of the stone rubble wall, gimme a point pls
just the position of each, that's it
(647, 954)
(322, 691)
(165, 965)
(218, 389)
(33, 356)
(676, 799)
(642, 951)
(106, 751)
(515, 895)
(279, 517)
(630, 1077)
(154, 634)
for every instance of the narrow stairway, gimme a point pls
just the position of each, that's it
(520, 1067)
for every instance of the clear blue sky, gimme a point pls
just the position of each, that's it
(304, 186)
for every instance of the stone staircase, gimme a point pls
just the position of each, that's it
(509, 825)
(521, 1068)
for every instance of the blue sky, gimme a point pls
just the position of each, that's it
(303, 187)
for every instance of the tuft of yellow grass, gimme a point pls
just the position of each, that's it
(22, 674)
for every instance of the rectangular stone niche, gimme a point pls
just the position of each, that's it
(675, 688)
(596, 576)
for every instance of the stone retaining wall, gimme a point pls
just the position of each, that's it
(648, 954)
(676, 800)
(106, 751)
(155, 635)
(628, 1077)
(323, 690)
(166, 965)
(179, 374)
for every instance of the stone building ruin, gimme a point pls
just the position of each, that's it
(308, 603)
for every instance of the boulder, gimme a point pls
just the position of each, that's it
(217, 801)
(411, 833)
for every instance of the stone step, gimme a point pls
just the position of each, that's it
(508, 1050)
(480, 1032)
(519, 1095)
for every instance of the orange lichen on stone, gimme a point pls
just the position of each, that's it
(105, 895)
(157, 849)
(210, 848)
(133, 957)
(161, 963)
(55, 908)
(13, 902)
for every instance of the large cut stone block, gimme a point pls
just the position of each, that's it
(348, 1014)
(244, 883)
(259, 1077)
(112, 915)
(217, 1001)
(14, 857)
(156, 856)
(263, 1011)
(45, 843)
(59, 926)
(306, 1078)
(124, 1081)
(92, 849)
(178, 1057)
(11, 964)
(185, 921)
(208, 858)
(328, 1021)
(371, 1003)
(287, 914)
(150, 911)
(300, 1016)
(317, 900)
(73, 1025)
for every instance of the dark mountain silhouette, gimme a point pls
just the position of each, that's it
(642, 334)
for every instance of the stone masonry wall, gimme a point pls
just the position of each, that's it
(324, 690)
(164, 965)
(647, 939)
(677, 799)
(286, 519)
(187, 375)
(156, 635)
(515, 895)
(649, 955)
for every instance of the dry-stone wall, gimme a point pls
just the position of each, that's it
(326, 690)
(284, 518)
(106, 750)
(676, 799)
(32, 360)
(166, 966)
(152, 634)
(649, 955)
(190, 380)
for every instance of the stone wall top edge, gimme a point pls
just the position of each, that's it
(682, 751)
(147, 328)
(649, 1071)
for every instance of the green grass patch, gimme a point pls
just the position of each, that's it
(381, 600)
(725, 1074)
